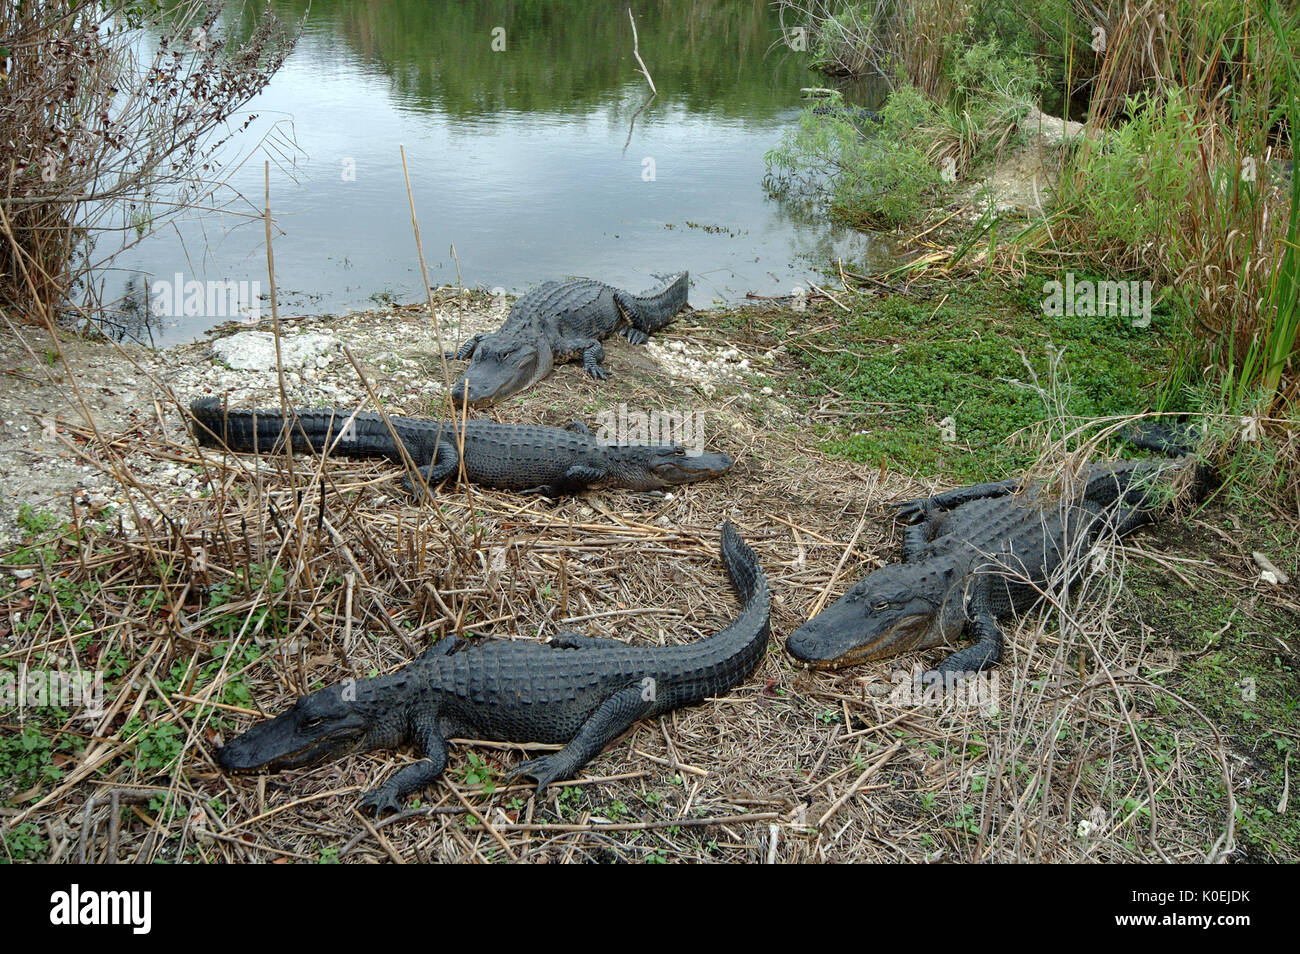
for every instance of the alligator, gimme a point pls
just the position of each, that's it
(857, 115)
(558, 322)
(974, 555)
(550, 461)
(578, 691)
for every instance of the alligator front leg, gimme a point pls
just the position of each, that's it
(577, 478)
(926, 515)
(983, 625)
(615, 715)
(909, 510)
(590, 349)
(389, 796)
(467, 349)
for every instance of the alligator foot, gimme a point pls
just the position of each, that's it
(416, 489)
(987, 650)
(544, 771)
(634, 334)
(909, 510)
(466, 350)
(381, 799)
(596, 371)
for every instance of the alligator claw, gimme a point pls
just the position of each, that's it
(634, 335)
(597, 372)
(416, 489)
(381, 800)
(544, 770)
(909, 510)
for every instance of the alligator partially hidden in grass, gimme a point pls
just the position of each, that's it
(581, 692)
(979, 554)
(558, 322)
(857, 115)
(546, 460)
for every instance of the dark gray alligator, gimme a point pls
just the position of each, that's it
(581, 692)
(546, 460)
(857, 115)
(979, 554)
(558, 322)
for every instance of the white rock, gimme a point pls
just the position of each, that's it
(255, 350)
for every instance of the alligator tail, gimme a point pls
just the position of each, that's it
(652, 309)
(1174, 440)
(263, 431)
(742, 566)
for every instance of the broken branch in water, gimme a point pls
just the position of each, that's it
(636, 51)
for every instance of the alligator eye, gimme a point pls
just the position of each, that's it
(883, 605)
(312, 723)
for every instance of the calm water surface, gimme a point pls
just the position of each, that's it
(521, 157)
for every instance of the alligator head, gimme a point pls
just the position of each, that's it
(656, 466)
(501, 365)
(895, 609)
(319, 727)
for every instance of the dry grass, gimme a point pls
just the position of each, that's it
(882, 38)
(790, 766)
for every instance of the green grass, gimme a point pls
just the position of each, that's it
(1231, 668)
(23, 843)
(906, 364)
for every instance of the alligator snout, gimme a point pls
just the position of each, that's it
(477, 392)
(866, 624)
(493, 376)
(823, 646)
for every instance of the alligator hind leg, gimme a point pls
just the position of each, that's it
(645, 314)
(443, 647)
(615, 715)
(445, 461)
(388, 797)
(579, 641)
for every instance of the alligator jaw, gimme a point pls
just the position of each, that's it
(677, 469)
(846, 633)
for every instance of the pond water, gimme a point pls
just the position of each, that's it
(526, 158)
